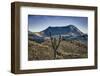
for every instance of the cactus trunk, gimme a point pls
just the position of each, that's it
(55, 43)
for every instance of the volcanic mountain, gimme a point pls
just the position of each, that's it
(69, 30)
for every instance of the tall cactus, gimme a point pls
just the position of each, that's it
(55, 42)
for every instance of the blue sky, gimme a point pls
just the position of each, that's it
(37, 23)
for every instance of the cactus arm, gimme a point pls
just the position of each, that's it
(52, 40)
(59, 41)
(55, 43)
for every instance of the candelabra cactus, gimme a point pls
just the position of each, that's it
(55, 42)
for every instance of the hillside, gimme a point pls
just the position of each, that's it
(67, 50)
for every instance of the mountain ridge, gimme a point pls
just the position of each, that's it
(64, 30)
(67, 32)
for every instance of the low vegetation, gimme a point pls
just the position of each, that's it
(68, 49)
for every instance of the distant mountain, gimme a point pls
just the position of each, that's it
(69, 30)
(35, 36)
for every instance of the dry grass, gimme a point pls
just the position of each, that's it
(66, 50)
